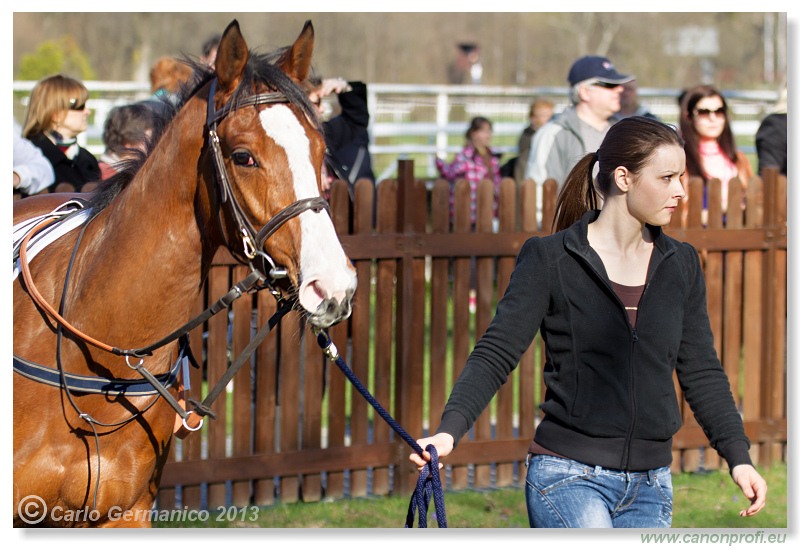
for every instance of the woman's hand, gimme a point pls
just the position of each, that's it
(753, 487)
(443, 442)
(334, 85)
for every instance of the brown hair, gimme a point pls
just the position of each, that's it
(540, 103)
(688, 100)
(51, 96)
(127, 125)
(476, 124)
(169, 74)
(629, 143)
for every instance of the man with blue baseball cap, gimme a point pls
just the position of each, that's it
(595, 89)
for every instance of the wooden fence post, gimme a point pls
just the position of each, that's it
(337, 388)
(386, 269)
(774, 270)
(410, 324)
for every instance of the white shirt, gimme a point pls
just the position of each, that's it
(34, 170)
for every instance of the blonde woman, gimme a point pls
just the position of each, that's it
(56, 116)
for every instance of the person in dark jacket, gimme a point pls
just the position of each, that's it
(621, 307)
(771, 138)
(347, 134)
(56, 116)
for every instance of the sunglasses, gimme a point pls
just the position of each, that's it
(708, 112)
(607, 85)
(75, 106)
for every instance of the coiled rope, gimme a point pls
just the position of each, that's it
(429, 483)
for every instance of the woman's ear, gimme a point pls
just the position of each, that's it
(622, 179)
(56, 119)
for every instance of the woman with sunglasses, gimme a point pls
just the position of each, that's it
(710, 147)
(56, 115)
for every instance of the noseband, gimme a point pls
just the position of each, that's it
(252, 240)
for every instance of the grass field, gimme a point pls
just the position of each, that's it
(707, 500)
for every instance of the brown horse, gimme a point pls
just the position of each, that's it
(244, 151)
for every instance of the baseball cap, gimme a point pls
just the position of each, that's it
(599, 68)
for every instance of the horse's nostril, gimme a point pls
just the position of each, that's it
(331, 311)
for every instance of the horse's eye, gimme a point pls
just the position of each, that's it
(243, 158)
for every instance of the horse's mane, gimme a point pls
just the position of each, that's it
(261, 68)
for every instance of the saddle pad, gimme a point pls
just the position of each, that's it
(71, 214)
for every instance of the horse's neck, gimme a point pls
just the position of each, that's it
(152, 241)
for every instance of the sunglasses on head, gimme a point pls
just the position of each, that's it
(607, 85)
(708, 112)
(75, 106)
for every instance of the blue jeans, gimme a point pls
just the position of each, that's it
(564, 493)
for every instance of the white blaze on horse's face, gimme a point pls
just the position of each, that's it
(327, 280)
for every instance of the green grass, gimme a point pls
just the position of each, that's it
(708, 500)
(712, 500)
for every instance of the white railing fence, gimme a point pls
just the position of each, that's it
(418, 122)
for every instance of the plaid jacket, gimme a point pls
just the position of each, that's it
(470, 166)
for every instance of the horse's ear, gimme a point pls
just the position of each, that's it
(296, 60)
(232, 56)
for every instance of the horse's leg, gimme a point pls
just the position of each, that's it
(143, 463)
(57, 467)
(138, 515)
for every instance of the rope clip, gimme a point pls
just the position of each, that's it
(329, 349)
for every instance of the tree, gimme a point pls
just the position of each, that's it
(62, 56)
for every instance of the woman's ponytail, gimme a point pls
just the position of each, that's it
(577, 195)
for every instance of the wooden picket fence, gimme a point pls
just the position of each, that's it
(291, 429)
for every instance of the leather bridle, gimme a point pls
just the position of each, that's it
(261, 276)
(252, 241)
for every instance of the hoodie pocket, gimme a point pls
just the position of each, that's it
(579, 400)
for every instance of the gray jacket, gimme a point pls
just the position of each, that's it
(557, 147)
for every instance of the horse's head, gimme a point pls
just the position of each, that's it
(268, 152)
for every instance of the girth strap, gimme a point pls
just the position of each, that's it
(96, 384)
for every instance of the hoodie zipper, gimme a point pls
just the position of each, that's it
(631, 389)
(625, 459)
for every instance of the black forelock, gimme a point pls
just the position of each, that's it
(260, 69)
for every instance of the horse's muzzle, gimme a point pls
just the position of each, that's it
(331, 311)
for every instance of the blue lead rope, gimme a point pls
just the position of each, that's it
(429, 483)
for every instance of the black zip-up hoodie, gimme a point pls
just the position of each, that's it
(610, 398)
